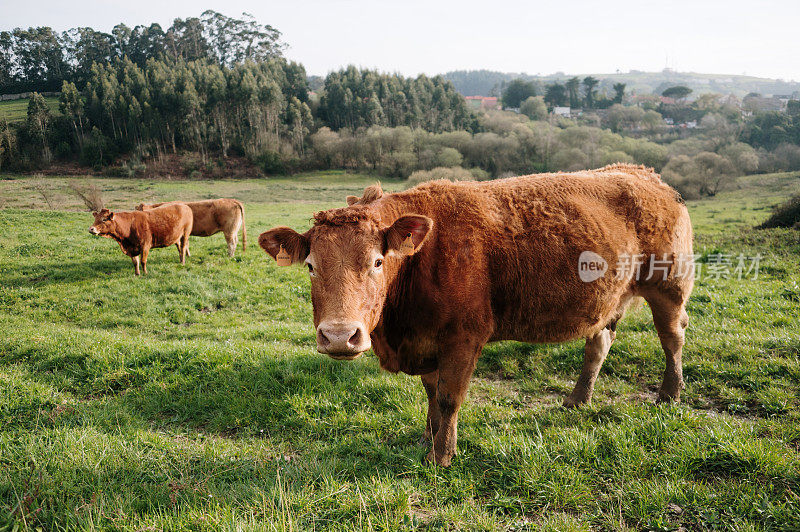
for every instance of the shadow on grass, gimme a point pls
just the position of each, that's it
(52, 273)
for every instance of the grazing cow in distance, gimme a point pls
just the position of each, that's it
(428, 276)
(138, 232)
(213, 216)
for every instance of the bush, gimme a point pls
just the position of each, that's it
(784, 215)
(270, 163)
(534, 108)
(97, 150)
(455, 173)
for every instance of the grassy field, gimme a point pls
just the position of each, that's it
(17, 110)
(193, 398)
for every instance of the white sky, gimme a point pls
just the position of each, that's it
(760, 38)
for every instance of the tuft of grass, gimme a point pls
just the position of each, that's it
(193, 398)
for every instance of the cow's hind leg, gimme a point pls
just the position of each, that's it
(670, 319)
(184, 248)
(145, 252)
(178, 247)
(135, 261)
(430, 382)
(231, 238)
(594, 354)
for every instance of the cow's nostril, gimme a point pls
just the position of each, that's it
(322, 340)
(355, 339)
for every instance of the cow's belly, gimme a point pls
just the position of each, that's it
(205, 224)
(552, 288)
(167, 239)
(560, 323)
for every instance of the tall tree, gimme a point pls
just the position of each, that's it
(619, 92)
(233, 40)
(517, 91)
(589, 91)
(573, 86)
(678, 92)
(555, 95)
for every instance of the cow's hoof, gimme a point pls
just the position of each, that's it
(572, 402)
(667, 397)
(442, 461)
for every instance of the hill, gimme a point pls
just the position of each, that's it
(489, 83)
(16, 110)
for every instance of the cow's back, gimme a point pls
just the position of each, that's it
(213, 216)
(506, 253)
(167, 223)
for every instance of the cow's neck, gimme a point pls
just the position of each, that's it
(402, 339)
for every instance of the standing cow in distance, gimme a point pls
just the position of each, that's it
(138, 232)
(428, 276)
(213, 216)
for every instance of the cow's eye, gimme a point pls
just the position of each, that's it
(378, 263)
(310, 267)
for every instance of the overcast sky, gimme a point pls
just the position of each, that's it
(576, 36)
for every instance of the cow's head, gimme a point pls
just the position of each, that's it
(104, 223)
(352, 258)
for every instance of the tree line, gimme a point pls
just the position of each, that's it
(40, 59)
(574, 92)
(219, 87)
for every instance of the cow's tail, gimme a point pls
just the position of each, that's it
(244, 228)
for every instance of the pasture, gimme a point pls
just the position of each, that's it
(193, 398)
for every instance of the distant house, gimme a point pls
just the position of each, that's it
(483, 102)
(562, 111)
(667, 100)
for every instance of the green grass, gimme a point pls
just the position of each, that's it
(193, 398)
(17, 110)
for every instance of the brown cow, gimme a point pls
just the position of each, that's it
(138, 232)
(213, 216)
(536, 259)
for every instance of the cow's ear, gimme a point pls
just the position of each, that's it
(110, 215)
(412, 224)
(295, 244)
(352, 199)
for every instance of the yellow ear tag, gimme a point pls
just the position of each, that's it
(407, 246)
(283, 258)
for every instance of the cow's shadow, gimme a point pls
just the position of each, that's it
(340, 409)
(62, 272)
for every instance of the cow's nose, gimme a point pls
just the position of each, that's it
(92, 230)
(342, 338)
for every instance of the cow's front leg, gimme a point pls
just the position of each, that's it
(594, 354)
(431, 382)
(135, 261)
(454, 374)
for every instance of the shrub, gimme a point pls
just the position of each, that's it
(270, 163)
(455, 173)
(784, 215)
(97, 150)
(89, 193)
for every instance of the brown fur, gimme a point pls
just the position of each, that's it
(137, 232)
(495, 261)
(213, 216)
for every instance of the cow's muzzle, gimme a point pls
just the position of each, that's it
(94, 231)
(342, 340)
